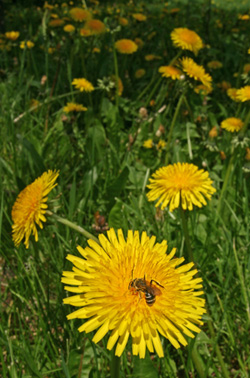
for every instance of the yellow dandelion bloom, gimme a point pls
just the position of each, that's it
(139, 42)
(246, 68)
(83, 85)
(170, 71)
(139, 73)
(120, 84)
(69, 28)
(123, 21)
(30, 208)
(186, 39)
(232, 93)
(180, 184)
(224, 85)
(96, 50)
(195, 71)
(148, 143)
(12, 35)
(214, 64)
(139, 16)
(247, 156)
(56, 22)
(232, 124)
(222, 155)
(213, 133)
(79, 14)
(243, 94)
(244, 17)
(126, 46)
(73, 107)
(95, 26)
(28, 44)
(248, 51)
(203, 89)
(161, 144)
(85, 32)
(131, 287)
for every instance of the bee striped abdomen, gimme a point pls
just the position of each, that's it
(150, 298)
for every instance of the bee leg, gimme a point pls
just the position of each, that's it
(156, 283)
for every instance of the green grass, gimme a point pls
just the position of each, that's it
(104, 167)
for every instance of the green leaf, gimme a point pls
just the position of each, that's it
(117, 186)
(31, 364)
(36, 158)
(115, 218)
(144, 368)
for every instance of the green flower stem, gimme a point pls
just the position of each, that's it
(147, 87)
(153, 91)
(177, 109)
(115, 366)
(74, 226)
(243, 287)
(116, 74)
(198, 363)
(189, 257)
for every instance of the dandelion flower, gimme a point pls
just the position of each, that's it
(180, 184)
(139, 73)
(170, 71)
(85, 32)
(30, 208)
(28, 44)
(186, 39)
(232, 124)
(111, 282)
(247, 156)
(139, 16)
(12, 35)
(148, 143)
(195, 71)
(83, 85)
(56, 23)
(123, 21)
(203, 89)
(95, 26)
(161, 144)
(73, 107)
(214, 64)
(232, 93)
(246, 68)
(79, 14)
(69, 28)
(126, 46)
(213, 133)
(243, 94)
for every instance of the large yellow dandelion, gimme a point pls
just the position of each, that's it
(131, 287)
(83, 85)
(186, 39)
(232, 124)
(126, 46)
(243, 94)
(180, 184)
(195, 71)
(30, 208)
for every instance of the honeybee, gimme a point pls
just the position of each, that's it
(146, 287)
